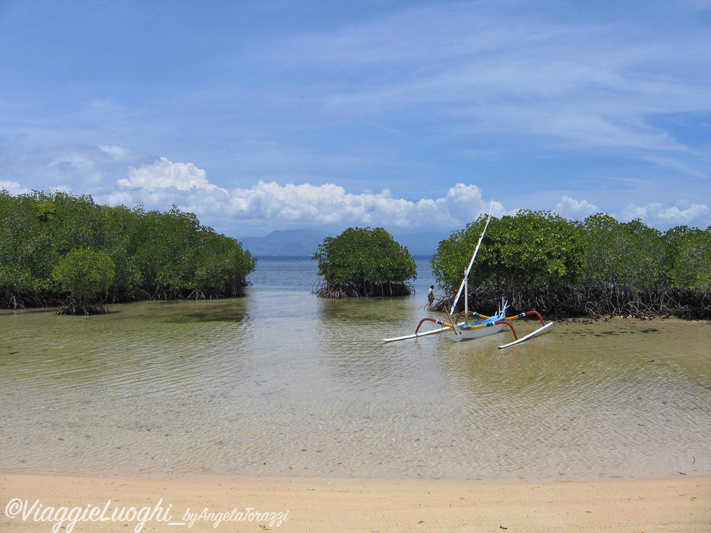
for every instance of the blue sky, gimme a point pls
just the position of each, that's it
(412, 115)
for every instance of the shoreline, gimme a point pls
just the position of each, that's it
(233, 503)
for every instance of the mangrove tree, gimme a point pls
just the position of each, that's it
(56, 247)
(598, 267)
(364, 262)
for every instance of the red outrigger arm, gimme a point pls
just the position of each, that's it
(427, 320)
(507, 323)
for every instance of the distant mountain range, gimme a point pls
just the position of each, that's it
(284, 242)
(305, 242)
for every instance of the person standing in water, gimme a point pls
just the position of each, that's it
(430, 296)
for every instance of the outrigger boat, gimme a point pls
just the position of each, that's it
(486, 325)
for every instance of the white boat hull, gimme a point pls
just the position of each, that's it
(468, 334)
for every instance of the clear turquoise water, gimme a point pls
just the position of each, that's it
(282, 383)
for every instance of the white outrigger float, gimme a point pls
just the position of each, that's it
(485, 325)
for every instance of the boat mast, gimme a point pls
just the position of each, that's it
(466, 291)
(466, 272)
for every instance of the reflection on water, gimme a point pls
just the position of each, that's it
(283, 383)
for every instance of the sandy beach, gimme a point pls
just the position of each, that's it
(34, 503)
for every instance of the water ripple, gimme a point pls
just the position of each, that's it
(282, 383)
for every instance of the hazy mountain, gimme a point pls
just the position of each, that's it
(305, 242)
(421, 242)
(284, 242)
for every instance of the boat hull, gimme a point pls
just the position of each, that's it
(465, 334)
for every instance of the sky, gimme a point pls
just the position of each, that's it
(411, 115)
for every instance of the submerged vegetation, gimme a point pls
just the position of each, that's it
(60, 249)
(364, 262)
(598, 267)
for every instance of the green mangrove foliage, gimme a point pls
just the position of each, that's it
(689, 258)
(364, 262)
(532, 248)
(83, 273)
(56, 247)
(594, 268)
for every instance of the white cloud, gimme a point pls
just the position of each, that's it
(12, 187)
(164, 182)
(657, 215)
(164, 174)
(570, 208)
(331, 204)
(119, 198)
(118, 153)
(271, 205)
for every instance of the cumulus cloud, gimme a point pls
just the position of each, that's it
(163, 182)
(164, 174)
(571, 208)
(656, 214)
(271, 205)
(330, 204)
(12, 187)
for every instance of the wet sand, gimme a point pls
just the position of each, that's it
(680, 504)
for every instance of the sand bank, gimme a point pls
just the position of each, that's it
(680, 504)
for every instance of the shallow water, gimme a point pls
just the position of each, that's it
(282, 383)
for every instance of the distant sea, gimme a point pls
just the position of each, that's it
(301, 273)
